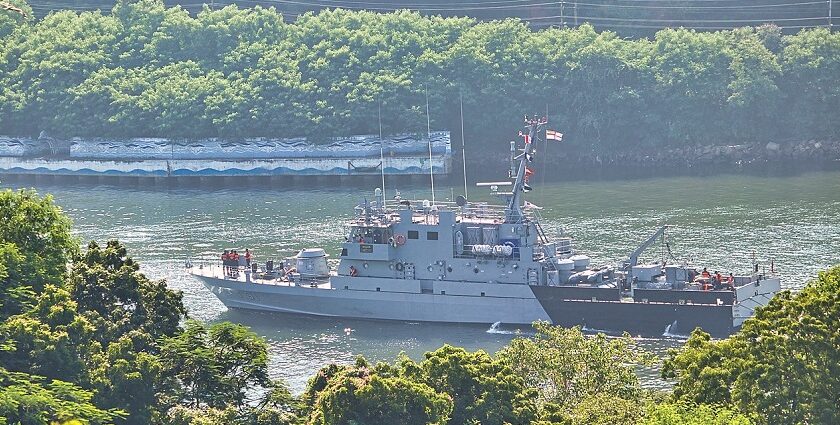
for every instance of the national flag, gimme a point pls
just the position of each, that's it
(553, 135)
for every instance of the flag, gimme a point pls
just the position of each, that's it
(526, 137)
(553, 135)
(528, 172)
(529, 205)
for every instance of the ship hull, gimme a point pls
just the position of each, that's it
(516, 304)
(376, 305)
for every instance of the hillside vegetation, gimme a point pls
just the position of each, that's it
(145, 69)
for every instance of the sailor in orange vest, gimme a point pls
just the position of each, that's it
(730, 282)
(705, 273)
(247, 258)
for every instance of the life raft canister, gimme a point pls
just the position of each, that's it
(399, 238)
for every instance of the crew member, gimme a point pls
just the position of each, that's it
(247, 258)
(225, 261)
(353, 271)
(705, 273)
(730, 281)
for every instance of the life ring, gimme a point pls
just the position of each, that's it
(399, 238)
(399, 266)
(353, 271)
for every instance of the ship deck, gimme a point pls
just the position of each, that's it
(217, 272)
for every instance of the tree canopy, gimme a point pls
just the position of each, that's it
(145, 69)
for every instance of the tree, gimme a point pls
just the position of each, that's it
(107, 285)
(216, 365)
(683, 414)
(35, 247)
(483, 390)
(570, 369)
(15, 293)
(783, 365)
(28, 399)
(128, 377)
(810, 62)
(360, 394)
(13, 14)
(52, 339)
(57, 54)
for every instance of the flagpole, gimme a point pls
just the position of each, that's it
(463, 144)
(381, 154)
(429, 135)
(545, 160)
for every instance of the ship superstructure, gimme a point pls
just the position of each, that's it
(478, 262)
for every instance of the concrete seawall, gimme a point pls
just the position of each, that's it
(160, 158)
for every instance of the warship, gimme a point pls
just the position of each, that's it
(480, 262)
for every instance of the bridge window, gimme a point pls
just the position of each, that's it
(432, 236)
(413, 234)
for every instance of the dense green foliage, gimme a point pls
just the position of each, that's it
(783, 365)
(149, 70)
(27, 399)
(450, 386)
(35, 247)
(685, 414)
(87, 336)
(581, 379)
(215, 366)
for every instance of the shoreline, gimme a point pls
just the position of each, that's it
(558, 163)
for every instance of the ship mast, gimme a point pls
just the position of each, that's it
(533, 128)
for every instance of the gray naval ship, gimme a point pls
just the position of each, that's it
(476, 262)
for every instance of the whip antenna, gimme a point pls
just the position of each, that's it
(429, 135)
(381, 155)
(463, 145)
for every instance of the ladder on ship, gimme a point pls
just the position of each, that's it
(540, 232)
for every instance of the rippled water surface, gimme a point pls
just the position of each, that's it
(721, 221)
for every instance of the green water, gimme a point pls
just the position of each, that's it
(722, 221)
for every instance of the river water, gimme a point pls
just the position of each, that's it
(723, 221)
